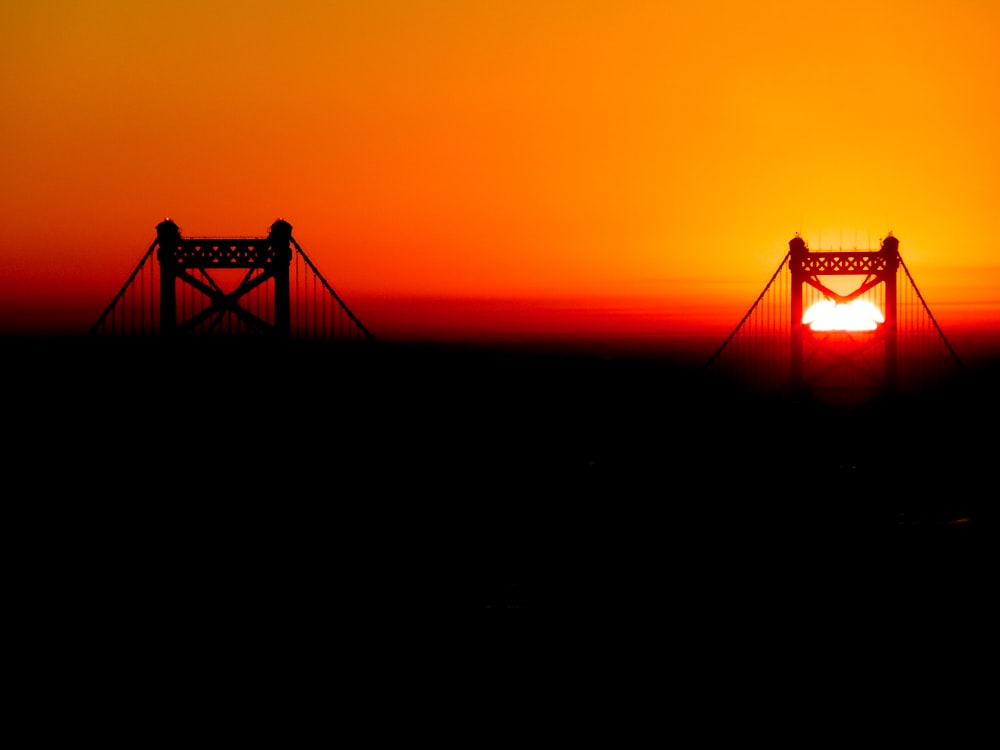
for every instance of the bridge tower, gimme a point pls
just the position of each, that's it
(226, 286)
(270, 257)
(849, 360)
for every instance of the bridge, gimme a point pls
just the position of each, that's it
(229, 286)
(838, 327)
(835, 326)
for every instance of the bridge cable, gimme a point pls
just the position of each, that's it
(121, 292)
(929, 313)
(750, 311)
(330, 290)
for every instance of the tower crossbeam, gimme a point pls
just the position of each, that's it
(839, 263)
(220, 253)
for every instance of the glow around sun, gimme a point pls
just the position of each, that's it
(856, 315)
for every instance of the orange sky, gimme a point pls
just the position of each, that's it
(649, 160)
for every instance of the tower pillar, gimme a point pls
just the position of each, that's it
(168, 238)
(280, 240)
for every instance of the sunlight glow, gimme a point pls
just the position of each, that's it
(856, 315)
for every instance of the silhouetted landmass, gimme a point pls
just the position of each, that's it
(305, 475)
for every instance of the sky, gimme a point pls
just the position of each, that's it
(608, 167)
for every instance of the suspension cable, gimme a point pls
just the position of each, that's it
(121, 292)
(323, 281)
(929, 313)
(750, 311)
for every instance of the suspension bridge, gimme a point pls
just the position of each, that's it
(842, 326)
(229, 286)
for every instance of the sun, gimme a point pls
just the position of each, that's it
(856, 315)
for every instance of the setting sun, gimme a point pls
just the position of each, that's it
(856, 315)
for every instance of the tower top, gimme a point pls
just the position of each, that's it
(281, 229)
(167, 229)
(797, 244)
(890, 244)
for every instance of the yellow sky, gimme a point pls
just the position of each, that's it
(653, 150)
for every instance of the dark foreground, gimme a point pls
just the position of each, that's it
(291, 481)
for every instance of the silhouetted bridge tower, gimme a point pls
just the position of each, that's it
(264, 286)
(838, 326)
